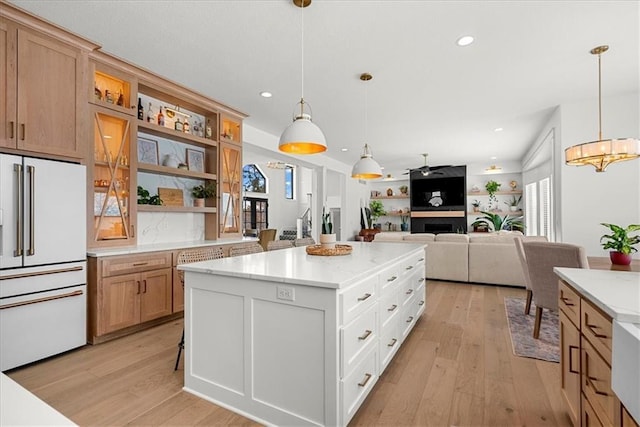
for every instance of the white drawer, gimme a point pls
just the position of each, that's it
(412, 264)
(356, 337)
(388, 307)
(421, 301)
(389, 280)
(356, 386)
(407, 319)
(408, 292)
(358, 298)
(389, 343)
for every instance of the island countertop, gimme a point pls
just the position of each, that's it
(617, 293)
(295, 266)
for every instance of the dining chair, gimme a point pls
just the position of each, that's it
(245, 249)
(541, 258)
(275, 245)
(266, 235)
(188, 256)
(523, 263)
(304, 241)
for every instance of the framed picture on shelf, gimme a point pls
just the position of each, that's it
(147, 151)
(195, 160)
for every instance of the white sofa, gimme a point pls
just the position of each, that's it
(475, 257)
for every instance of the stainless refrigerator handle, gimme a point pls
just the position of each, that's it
(31, 170)
(17, 168)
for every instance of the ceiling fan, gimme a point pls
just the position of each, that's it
(427, 170)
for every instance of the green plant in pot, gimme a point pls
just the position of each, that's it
(377, 210)
(513, 203)
(145, 198)
(328, 237)
(476, 205)
(494, 222)
(621, 242)
(404, 225)
(491, 187)
(202, 192)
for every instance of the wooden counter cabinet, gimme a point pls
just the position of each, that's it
(127, 291)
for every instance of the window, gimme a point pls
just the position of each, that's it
(289, 177)
(539, 211)
(253, 180)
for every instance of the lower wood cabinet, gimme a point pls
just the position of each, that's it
(570, 366)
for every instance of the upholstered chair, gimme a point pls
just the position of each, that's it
(523, 263)
(541, 258)
(275, 245)
(266, 235)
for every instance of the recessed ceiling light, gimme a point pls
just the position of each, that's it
(344, 149)
(498, 130)
(465, 41)
(381, 167)
(266, 94)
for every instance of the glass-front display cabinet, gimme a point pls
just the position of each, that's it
(230, 173)
(112, 181)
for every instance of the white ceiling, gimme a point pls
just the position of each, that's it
(427, 94)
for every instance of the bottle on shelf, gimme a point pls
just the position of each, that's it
(160, 117)
(178, 125)
(120, 100)
(150, 114)
(196, 128)
(108, 97)
(185, 126)
(140, 110)
(97, 92)
(208, 130)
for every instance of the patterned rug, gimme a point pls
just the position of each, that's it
(547, 347)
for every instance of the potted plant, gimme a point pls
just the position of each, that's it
(404, 189)
(144, 197)
(491, 187)
(513, 203)
(404, 225)
(377, 210)
(621, 242)
(328, 237)
(476, 205)
(494, 222)
(201, 192)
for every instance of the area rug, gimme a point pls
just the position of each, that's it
(547, 347)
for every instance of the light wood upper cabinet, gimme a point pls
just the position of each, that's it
(230, 189)
(41, 79)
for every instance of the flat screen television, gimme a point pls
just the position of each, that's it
(447, 193)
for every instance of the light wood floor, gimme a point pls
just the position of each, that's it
(455, 369)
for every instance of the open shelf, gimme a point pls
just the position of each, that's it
(511, 213)
(156, 208)
(165, 170)
(402, 196)
(498, 193)
(172, 134)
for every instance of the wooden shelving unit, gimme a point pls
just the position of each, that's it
(156, 208)
(402, 196)
(497, 193)
(164, 170)
(161, 131)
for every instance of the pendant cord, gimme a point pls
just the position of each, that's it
(302, 50)
(599, 98)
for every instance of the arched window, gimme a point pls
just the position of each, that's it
(253, 180)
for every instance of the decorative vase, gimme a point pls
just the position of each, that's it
(368, 233)
(404, 226)
(328, 241)
(198, 203)
(619, 258)
(513, 208)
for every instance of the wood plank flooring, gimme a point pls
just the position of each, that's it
(455, 369)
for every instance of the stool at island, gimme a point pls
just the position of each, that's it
(288, 338)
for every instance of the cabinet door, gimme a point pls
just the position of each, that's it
(230, 176)
(120, 303)
(7, 86)
(178, 292)
(49, 77)
(156, 294)
(570, 366)
(111, 222)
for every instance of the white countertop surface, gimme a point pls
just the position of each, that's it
(295, 266)
(625, 366)
(19, 407)
(617, 293)
(168, 246)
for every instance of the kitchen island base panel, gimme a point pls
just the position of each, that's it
(269, 360)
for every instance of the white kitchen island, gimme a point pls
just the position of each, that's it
(287, 338)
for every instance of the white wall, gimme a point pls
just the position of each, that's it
(589, 198)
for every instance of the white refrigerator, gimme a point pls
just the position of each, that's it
(42, 258)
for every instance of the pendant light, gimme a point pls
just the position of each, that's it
(366, 167)
(602, 152)
(302, 136)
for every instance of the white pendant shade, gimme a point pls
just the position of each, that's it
(601, 153)
(302, 137)
(366, 167)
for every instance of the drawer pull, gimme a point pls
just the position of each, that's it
(139, 264)
(393, 307)
(24, 131)
(138, 293)
(592, 329)
(392, 278)
(11, 132)
(410, 319)
(392, 343)
(421, 259)
(590, 382)
(409, 292)
(421, 302)
(571, 348)
(364, 297)
(420, 280)
(364, 382)
(566, 301)
(409, 267)
(39, 300)
(144, 286)
(365, 335)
